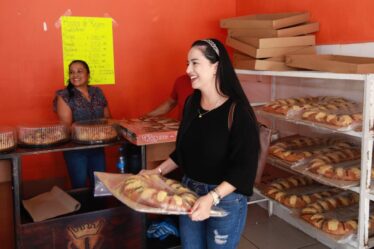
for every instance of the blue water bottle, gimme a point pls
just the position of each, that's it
(121, 164)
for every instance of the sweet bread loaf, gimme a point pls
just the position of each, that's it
(334, 111)
(331, 203)
(302, 200)
(350, 173)
(93, 131)
(7, 140)
(332, 225)
(291, 182)
(315, 214)
(289, 155)
(42, 135)
(278, 191)
(296, 148)
(321, 116)
(335, 155)
(158, 192)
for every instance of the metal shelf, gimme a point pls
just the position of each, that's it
(287, 215)
(366, 194)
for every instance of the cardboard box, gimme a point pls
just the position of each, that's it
(260, 52)
(262, 64)
(146, 131)
(272, 21)
(279, 42)
(159, 152)
(332, 63)
(302, 29)
(242, 61)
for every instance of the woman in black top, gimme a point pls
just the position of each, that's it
(219, 160)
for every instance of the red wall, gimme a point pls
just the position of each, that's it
(341, 21)
(151, 41)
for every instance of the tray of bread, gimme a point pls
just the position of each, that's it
(152, 193)
(297, 191)
(8, 139)
(150, 130)
(341, 120)
(337, 215)
(330, 112)
(94, 131)
(289, 107)
(36, 136)
(339, 168)
(294, 150)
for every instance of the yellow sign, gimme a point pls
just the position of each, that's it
(89, 39)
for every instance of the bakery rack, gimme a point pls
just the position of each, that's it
(317, 81)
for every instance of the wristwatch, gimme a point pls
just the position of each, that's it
(215, 196)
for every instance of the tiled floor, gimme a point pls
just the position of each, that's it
(263, 232)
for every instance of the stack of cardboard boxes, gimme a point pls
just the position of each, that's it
(261, 42)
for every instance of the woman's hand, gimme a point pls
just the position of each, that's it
(164, 168)
(154, 171)
(201, 209)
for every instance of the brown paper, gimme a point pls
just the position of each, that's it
(51, 204)
(113, 183)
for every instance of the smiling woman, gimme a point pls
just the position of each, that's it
(80, 102)
(219, 162)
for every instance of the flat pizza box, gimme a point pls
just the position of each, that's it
(260, 53)
(302, 29)
(262, 64)
(147, 131)
(262, 21)
(243, 61)
(332, 63)
(279, 42)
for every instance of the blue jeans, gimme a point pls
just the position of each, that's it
(82, 163)
(215, 232)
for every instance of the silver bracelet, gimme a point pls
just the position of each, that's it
(159, 170)
(215, 196)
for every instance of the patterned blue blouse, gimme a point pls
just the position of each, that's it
(81, 108)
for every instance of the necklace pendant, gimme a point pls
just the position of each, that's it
(200, 115)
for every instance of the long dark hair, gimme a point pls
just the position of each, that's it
(227, 82)
(70, 86)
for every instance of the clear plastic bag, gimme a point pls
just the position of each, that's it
(330, 112)
(149, 193)
(8, 139)
(94, 131)
(42, 135)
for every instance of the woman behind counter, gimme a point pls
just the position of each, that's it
(219, 162)
(79, 102)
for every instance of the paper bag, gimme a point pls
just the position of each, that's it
(51, 204)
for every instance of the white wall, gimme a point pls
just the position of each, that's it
(357, 49)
